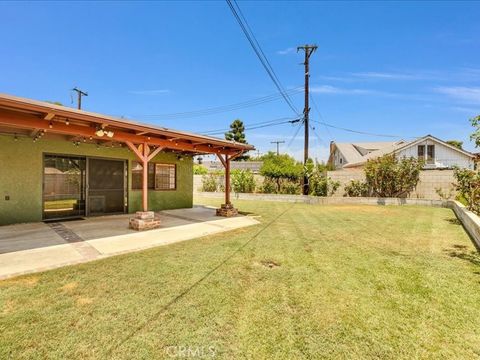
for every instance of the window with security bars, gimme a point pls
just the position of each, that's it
(160, 176)
(165, 177)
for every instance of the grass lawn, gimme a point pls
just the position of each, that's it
(309, 282)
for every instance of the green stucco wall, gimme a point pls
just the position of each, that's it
(21, 177)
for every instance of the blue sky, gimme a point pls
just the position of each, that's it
(406, 69)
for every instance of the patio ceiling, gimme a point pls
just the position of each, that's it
(26, 117)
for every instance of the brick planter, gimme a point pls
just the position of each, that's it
(144, 220)
(227, 210)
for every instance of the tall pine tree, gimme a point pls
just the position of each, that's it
(237, 133)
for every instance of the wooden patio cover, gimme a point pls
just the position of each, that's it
(26, 117)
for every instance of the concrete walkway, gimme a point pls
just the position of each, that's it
(28, 248)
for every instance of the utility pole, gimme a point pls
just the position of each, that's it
(278, 142)
(80, 93)
(309, 50)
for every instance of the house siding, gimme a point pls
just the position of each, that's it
(21, 177)
(445, 157)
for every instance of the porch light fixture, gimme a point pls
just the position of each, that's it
(102, 132)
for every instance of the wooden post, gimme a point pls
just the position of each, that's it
(146, 151)
(144, 155)
(227, 180)
(226, 209)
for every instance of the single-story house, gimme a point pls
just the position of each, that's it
(437, 154)
(57, 162)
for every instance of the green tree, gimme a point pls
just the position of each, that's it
(388, 176)
(199, 169)
(237, 134)
(468, 186)
(476, 133)
(280, 169)
(458, 144)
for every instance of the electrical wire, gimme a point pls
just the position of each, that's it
(224, 108)
(292, 139)
(259, 52)
(320, 115)
(291, 121)
(357, 131)
(251, 124)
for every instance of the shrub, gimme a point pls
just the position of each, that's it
(199, 170)
(209, 183)
(290, 187)
(445, 194)
(468, 187)
(242, 181)
(321, 185)
(268, 186)
(356, 188)
(388, 176)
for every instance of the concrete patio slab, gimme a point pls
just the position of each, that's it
(27, 236)
(102, 237)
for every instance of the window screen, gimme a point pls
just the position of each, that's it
(165, 177)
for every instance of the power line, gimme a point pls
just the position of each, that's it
(259, 52)
(293, 137)
(320, 115)
(252, 124)
(293, 121)
(225, 108)
(359, 132)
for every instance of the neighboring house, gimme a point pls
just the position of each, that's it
(436, 153)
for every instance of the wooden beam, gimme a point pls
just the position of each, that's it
(26, 121)
(135, 150)
(34, 133)
(236, 155)
(154, 153)
(49, 116)
(222, 160)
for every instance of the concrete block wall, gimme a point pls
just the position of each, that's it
(430, 180)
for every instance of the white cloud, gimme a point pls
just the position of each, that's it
(327, 89)
(149, 92)
(467, 110)
(463, 93)
(286, 51)
(388, 76)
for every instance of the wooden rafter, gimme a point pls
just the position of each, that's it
(27, 121)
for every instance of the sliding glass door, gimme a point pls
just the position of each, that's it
(80, 186)
(64, 179)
